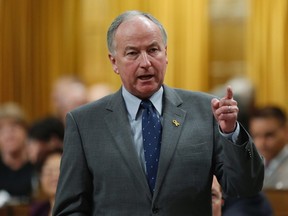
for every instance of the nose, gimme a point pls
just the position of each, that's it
(144, 60)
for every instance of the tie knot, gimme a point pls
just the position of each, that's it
(146, 104)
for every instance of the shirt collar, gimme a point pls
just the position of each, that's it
(132, 102)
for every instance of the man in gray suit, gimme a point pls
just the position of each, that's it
(104, 167)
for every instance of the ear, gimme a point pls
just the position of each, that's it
(166, 54)
(113, 62)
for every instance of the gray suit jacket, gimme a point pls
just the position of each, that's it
(101, 173)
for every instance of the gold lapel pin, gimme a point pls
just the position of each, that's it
(176, 123)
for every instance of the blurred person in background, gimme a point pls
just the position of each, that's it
(49, 173)
(268, 127)
(15, 169)
(217, 200)
(98, 91)
(68, 92)
(44, 135)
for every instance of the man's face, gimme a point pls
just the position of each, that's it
(269, 136)
(139, 56)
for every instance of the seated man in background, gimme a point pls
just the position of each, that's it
(15, 169)
(268, 127)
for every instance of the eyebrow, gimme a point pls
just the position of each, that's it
(133, 47)
(129, 48)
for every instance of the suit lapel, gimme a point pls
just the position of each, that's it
(173, 119)
(119, 126)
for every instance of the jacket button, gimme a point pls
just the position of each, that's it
(155, 210)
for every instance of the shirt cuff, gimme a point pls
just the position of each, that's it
(232, 136)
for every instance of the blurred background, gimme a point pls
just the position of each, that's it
(209, 43)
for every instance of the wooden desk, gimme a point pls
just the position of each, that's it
(15, 210)
(278, 200)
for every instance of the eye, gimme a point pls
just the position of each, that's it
(270, 134)
(153, 50)
(131, 53)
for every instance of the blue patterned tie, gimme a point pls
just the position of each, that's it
(151, 132)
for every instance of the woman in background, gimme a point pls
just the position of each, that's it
(49, 173)
(14, 164)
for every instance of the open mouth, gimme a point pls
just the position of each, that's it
(146, 77)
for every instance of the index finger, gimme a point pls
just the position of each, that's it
(229, 93)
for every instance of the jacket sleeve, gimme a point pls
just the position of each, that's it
(239, 166)
(74, 190)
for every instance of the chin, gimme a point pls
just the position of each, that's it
(151, 89)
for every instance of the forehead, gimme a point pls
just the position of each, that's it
(52, 160)
(136, 28)
(8, 121)
(265, 122)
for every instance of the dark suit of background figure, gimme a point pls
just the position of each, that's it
(257, 205)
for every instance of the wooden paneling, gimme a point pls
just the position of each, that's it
(15, 210)
(278, 200)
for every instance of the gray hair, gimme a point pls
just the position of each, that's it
(126, 16)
